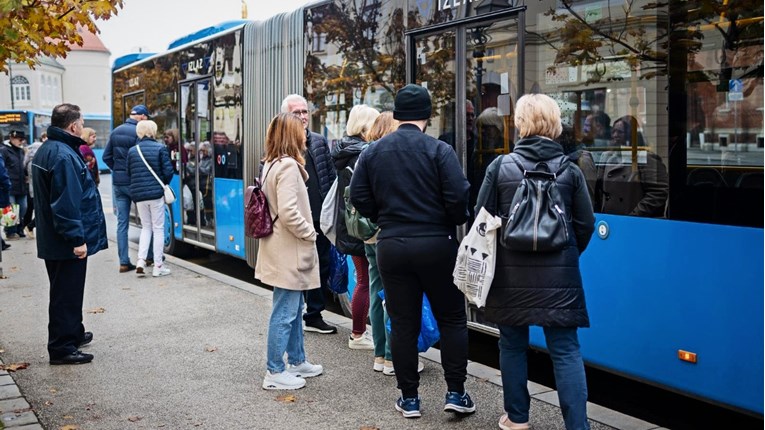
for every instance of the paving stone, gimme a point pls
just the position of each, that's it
(13, 405)
(13, 420)
(6, 380)
(9, 391)
(35, 426)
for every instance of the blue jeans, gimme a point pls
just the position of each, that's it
(563, 344)
(378, 316)
(21, 200)
(285, 330)
(121, 196)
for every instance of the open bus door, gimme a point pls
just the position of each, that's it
(198, 214)
(473, 70)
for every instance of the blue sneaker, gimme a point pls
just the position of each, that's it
(409, 408)
(461, 403)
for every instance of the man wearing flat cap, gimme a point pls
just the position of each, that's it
(115, 156)
(12, 152)
(412, 186)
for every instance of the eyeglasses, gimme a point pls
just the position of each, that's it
(300, 112)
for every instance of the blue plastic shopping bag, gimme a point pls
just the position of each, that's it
(429, 333)
(338, 271)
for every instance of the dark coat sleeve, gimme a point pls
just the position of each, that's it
(487, 195)
(5, 185)
(455, 188)
(108, 155)
(166, 165)
(65, 200)
(655, 183)
(583, 218)
(361, 190)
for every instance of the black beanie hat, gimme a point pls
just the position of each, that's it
(412, 103)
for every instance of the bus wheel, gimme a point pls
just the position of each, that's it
(172, 245)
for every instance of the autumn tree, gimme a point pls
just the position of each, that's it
(33, 28)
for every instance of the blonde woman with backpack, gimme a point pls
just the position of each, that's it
(539, 288)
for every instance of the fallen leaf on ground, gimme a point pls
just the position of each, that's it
(2, 351)
(134, 419)
(287, 398)
(97, 311)
(211, 349)
(48, 403)
(369, 428)
(14, 366)
(69, 427)
(53, 390)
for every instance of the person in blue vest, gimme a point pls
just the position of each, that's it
(70, 228)
(121, 140)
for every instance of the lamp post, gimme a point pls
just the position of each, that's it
(10, 82)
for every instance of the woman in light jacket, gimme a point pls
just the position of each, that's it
(539, 288)
(287, 259)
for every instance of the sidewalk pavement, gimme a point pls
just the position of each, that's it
(187, 351)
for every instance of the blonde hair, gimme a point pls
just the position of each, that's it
(285, 136)
(146, 128)
(360, 120)
(384, 124)
(86, 133)
(538, 115)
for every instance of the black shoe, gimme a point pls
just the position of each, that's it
(77, 357)
(6, 246)
(86, 339)
(127, 267)
(319, 326)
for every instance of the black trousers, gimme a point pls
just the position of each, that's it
(410, 266)
(67, 287)
(314, 299)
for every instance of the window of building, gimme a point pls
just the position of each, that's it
(20, 87)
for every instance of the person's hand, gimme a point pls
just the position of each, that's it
(81, 251)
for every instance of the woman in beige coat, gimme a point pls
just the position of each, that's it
(287, 259)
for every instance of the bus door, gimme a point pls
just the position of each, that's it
(472, 72)
(196, 173)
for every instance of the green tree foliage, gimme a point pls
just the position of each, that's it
(33, 28)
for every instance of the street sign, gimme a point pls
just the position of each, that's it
(735, 90)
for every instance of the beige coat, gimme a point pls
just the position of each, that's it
(287, 258)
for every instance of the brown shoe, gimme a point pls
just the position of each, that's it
(126, 268)
(149, 262)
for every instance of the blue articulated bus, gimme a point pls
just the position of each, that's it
(674, 274)
(33, 122)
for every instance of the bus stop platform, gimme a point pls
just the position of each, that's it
(188, 351)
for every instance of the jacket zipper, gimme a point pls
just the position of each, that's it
(536, 215)
(563, 218)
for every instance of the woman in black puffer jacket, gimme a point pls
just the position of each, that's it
(540, 288)
(344, 154)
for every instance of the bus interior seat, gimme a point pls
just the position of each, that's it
(706, 176)
(752, 180)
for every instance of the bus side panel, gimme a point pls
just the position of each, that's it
(102, 167)
(654, 287)
(229, 216)
(177, 207)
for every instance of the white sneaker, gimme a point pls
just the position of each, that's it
(282, 381)
(379, 364)
(390, 371)
(363, 342)
(305, 370)
(140, 268)
(160, 271)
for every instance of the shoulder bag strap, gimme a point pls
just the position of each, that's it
(138, 148)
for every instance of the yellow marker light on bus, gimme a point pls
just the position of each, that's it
(231, 238)
(687, 356)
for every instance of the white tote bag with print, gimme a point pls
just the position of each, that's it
(474, 270)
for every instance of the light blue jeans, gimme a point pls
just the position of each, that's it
(563, 344)
(121, 197)
(285, 330)
(378, 316)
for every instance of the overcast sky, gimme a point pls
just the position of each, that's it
(150, 25)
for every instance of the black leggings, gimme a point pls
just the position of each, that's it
(410, 266)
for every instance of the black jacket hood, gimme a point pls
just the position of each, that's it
(538, 148)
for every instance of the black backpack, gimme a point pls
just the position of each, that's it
(537, 220)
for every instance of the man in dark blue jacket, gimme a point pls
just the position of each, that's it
(321, 174)
(121, 140)
(70, 227)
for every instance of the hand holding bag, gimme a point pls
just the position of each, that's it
(169, 193)
(476, 258)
